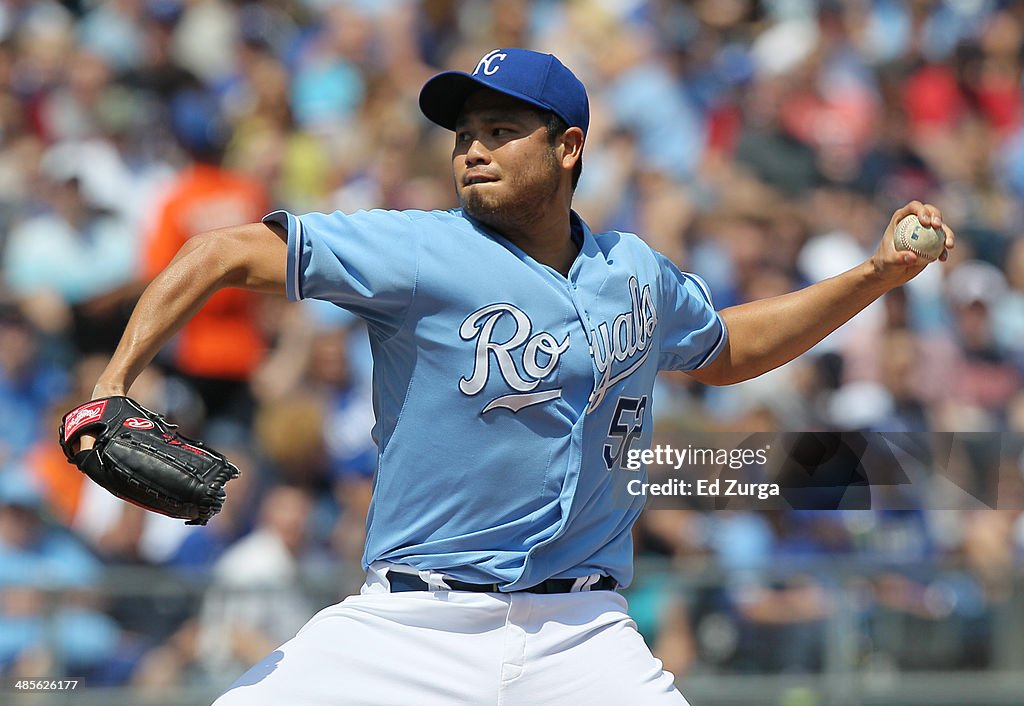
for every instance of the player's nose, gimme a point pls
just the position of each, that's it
(477, 153)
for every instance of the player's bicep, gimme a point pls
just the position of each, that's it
(255, 256)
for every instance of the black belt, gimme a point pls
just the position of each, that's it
(401, 582)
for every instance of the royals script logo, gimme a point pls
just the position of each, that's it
(538, 357)
(525, 359)
(626, 341)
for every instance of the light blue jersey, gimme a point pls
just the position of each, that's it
(506, 394)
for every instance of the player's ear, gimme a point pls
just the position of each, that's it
(572, 147)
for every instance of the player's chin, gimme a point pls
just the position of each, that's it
(479, 202)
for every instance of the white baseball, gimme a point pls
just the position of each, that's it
(910, 235)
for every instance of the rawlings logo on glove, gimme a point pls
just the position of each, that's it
(86, 414)
(140, 458)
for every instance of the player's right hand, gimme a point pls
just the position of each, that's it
(896, 267)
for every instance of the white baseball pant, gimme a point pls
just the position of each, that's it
(448, 648)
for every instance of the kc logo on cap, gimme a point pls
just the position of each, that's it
(485, 63)
(538, 79)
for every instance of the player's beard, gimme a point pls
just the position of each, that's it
(522, 199)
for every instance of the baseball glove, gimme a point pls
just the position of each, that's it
(140, 458)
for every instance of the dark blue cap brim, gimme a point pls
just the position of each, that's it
(443, 96)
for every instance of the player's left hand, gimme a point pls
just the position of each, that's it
(897, 267)
(137, 455)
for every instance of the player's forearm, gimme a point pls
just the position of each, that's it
(770, 332)
(170, 300)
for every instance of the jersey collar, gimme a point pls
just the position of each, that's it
(579, 231)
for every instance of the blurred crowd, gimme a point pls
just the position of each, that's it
(761, 144)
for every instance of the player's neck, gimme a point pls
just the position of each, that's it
(548, 242)
(545, 234)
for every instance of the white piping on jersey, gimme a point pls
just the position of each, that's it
(297, 274)
(711, 354)
(701, 284)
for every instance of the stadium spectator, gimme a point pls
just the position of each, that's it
(38, 636)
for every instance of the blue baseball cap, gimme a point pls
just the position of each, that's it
(535, 78)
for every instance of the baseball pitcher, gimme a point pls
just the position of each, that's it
(515, 352)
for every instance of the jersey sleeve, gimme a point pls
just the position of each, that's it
(693, 333)
(365, 262)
